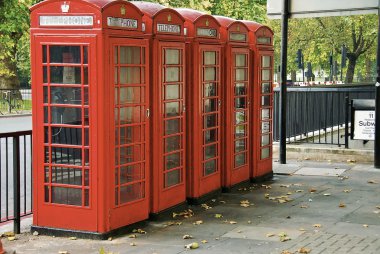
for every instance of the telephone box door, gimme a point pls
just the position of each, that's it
(129, 76)
(240, 115)
(210, 94)
(65, 180)
(169, 174)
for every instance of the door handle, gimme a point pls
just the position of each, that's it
(147, 113)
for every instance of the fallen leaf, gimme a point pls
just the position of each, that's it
(317, 225)
(35, 233)
(171, 223)
(298, 191)
(7, 234)
(284, 239)
(347, 190)
(132, 244)
(249, 222)
(266, 195)
(245, 205)
(372, 181)
(342, 205)
(185, 214)
(239, 231)
(327, 194)
(376, 212)
(304, 206)
(306, 158)
(132, 236)
(205, 206)
(281, 201)
(218, 216)
(302, 229)
(198, 222)
(187, 237)
(11, 238)
(204, 241)
(365, 225)
(73, 238)
(282, 234)
(222, 201)
(304, 250)
(270, 234)
(289, 193)
(351, 161)
(193, 245)
(233, 222)
(285, 185)
(213, 200)
(378, 206)
(63, 252)
(266, 186)
(312, 190)
(286, 252)
(109, 239)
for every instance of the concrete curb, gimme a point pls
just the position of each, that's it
(15, 115)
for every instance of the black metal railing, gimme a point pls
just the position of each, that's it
(15, 177)
(318, 114)
(15, 101)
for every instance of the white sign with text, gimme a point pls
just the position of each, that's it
(364, 125)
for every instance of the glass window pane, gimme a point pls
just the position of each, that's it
(265, 74)
(210, 136)
(131, 134)
(239, 159)
(172, 143)
(130, 115)
(172, 109)
(131, 192)
(131, 154)
(172, 161)
(65, 95)
(240, 60)
(239, 117)
(239, 145)
(130, 173)
(65, 75)
(130, 55)
(265, 113)
(172, 74)
(66, 196)
(85, 89)
(172, 56)
(209, 167)
(115, 76)
(210, 74)
(64, 175)
(172, 126)
(265, 88)
(240, 102)
(265, 140)
(45, 74)
(130, 75)
(240, 131)
(44, 54)
(67, 136)
(210, 105)
(131, 95)
(210, 121)
(69, 156)
(65, 54)
(265, 61)
(265, 100)
(210, 151)
(116, 55)
(265, 127)
(86, 197)
(172, 92)
(240, 89)
(63, 115)
(46, 94)
(209, 58)
(85, 54)
(265, 153)
(172, 178)
(210, 89)
(240, 74)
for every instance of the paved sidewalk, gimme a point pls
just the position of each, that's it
(318, 206)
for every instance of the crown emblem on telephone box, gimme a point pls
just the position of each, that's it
(65, 7)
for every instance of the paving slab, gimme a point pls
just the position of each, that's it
(307, 171)
(285, 169)
(262, 233)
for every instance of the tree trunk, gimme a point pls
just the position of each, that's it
(351, 69)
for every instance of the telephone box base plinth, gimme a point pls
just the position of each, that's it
(87, 234)
(206, 197)
(168, 213)
(244, 184)
(263, 178)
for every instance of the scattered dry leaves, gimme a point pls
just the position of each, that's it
(205, 206)
(132, 236)
(266, 186)
(140, 231)
(193, 245)
(317, 225)
(11, 238)
(347, 190)
(171, 223)
(187, 237)
(286, 252)
(198, 222)
(304, 250)
(342, 205)
(185, 214)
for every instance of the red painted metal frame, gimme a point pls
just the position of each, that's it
(261, 166)
(200, 183)
(165, 197)
(102, 214)
(236, 44)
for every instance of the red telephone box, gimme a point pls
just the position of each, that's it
(261, 43)
(237, 93)
(168, 95)
(204, 51)
(90, 74)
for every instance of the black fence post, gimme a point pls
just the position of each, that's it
(347, 106)
(16, 185)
